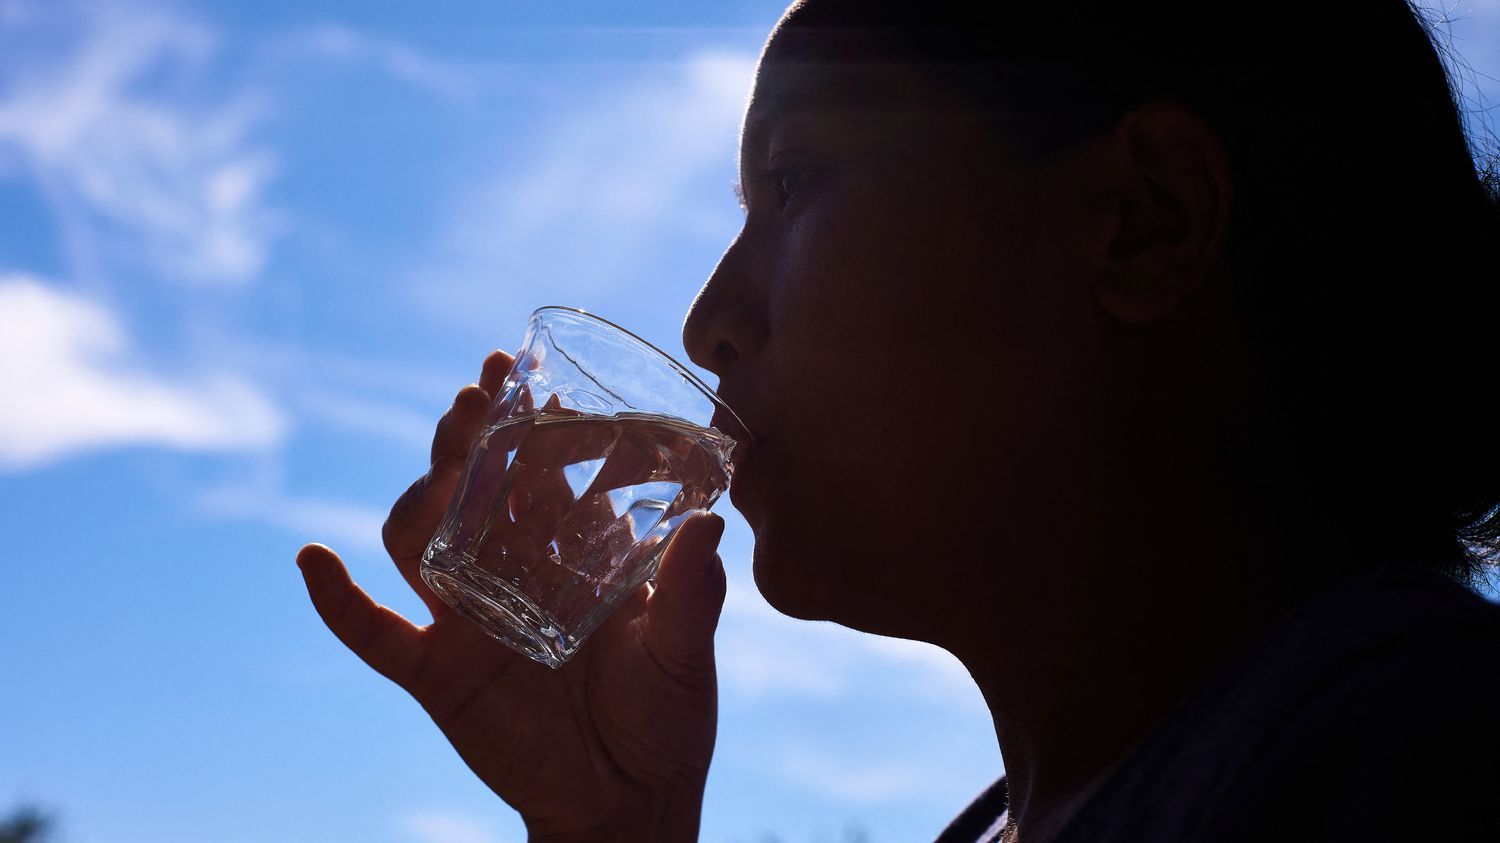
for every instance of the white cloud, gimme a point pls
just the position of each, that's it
(15, 11)
(342, 525)
(161, 181)
(605, 186)
(446, 827)
(372, 417)
(71, 386)
(448, 79)
(763, 654)
(941, 672)
(755, 662)
(855, 781)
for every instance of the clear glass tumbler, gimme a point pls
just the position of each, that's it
(596, 449)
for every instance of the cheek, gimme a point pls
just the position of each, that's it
(891, 309)
(908, 358)
(884, 266)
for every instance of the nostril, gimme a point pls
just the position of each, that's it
(725, 353)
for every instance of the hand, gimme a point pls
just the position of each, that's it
(615, 744)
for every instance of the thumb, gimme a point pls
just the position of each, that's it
(683, 610)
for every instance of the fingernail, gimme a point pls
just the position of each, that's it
(306, 553)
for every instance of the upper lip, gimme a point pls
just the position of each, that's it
(726, 424)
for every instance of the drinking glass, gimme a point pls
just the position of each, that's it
(597, 447)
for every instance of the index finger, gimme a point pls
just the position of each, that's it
(458, 426)
(456, 429)
(496, 367)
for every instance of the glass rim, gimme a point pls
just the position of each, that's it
(680, 369)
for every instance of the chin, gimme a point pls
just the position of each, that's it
(786, 583)
(806, 587)
(810, 582)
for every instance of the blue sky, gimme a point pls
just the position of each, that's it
(250, 251)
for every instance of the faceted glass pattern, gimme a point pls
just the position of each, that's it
(595, 452)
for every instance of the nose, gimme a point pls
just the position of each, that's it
(723, 324)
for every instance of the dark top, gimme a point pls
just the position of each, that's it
(1368, 713)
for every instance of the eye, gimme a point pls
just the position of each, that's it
(786, 185)
(786, 181)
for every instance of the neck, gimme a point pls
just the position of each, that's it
(1104, 634)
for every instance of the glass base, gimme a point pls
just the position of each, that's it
(505, 613)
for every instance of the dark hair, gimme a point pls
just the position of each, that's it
(1362, 237)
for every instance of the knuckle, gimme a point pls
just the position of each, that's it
(342, 617)
(370, 636)
(691, 668)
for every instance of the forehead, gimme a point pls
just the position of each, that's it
(852, 86)
(868, 91)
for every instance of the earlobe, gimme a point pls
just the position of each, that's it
(1139, 299)
(1170, 212)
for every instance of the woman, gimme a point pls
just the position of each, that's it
(1136, 359)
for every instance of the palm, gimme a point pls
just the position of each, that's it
(558, 744)
(625, 726)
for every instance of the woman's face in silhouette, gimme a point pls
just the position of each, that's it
(904, 323)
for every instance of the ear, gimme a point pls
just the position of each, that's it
(1169, 207)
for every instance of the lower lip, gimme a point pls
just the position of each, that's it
(738, 483)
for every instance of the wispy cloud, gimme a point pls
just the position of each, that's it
(851, 780)
(72, 385)
(942, 673)
(164, 181)
(371, 417)
(15, 11)
(876, 771)
(446, 827)
(342, 525)
(765, 655)
(757, 663)
(450, 79)
(616, 176)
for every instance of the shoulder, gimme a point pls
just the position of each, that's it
(1362, 715)
(1393, 738)
(980, 819)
